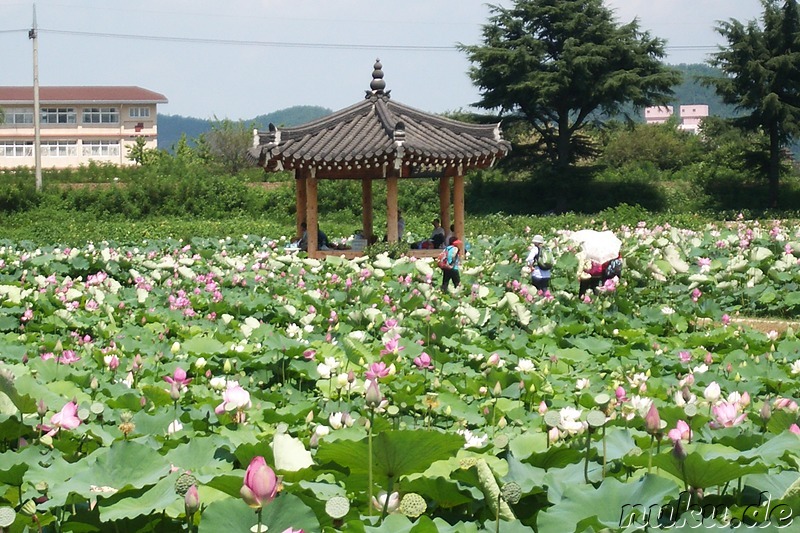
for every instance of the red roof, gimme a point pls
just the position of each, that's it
(81, 95)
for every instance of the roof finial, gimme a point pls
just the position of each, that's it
(377, 84)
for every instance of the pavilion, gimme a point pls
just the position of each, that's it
(379, 139)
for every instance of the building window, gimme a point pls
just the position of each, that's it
(100, 115)
(96, 148)
(59, 148)
(16, 148)
(58, 115)
(139, 112)
(23, 115)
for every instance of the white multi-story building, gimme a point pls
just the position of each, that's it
(78, 124)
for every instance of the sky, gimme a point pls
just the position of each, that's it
(239, 59)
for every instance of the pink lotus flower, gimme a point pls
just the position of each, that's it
(67, 418)
(682, 431)
(392, 346)
(696, 294)
(794, 429)
(178, 377)
(234, 398)
(68, 357)
(785, 403)
(726, 415)
(423, 361)
(377, 371)
(260, 484)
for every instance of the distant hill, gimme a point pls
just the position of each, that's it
(171, 127)
(690, 91)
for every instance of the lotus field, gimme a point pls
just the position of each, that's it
(226, 385)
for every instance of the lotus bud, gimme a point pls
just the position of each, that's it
(678, 451)
(542, 407)
(175, 391)
(497, 390)
(260, 484)
(93, 384)
(448, 410)
(191, 500)
(200, 363)
(373, 394)
(652, 421)
(41, 408)
(502, 423)
(309, 417)
(175, 348)
(765, 413)
(227, 366)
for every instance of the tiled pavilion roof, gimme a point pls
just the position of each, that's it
(375, 133)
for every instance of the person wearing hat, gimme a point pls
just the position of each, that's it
(453, 251)
(540, 271)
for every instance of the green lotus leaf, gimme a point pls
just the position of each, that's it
(396, 453)
(138, 502)
(285, 511)
(525, 445)
(203, 345)
(582, 506)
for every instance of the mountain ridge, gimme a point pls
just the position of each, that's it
(689, 91)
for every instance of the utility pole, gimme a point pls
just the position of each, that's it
(37, 141)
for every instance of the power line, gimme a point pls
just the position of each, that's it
(284, 44)
(255, 43)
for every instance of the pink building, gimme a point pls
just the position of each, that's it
(657, 114)
(690, 116)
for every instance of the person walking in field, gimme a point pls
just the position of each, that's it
(540, 261)
(449, 262)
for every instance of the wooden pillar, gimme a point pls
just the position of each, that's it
(391, 209)
(312, 213)
(444, 203)
(366, 208)
(458, 205)
(300, 200)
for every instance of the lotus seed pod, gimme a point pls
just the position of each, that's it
(413, 505)
(501, 441)
(7, 516)
(184, 481)
(28, 508)
(467, 462)
(512, 492)
(337, 507)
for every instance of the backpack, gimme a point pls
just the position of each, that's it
(545, 259)
(613, 268)
(442, 260)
